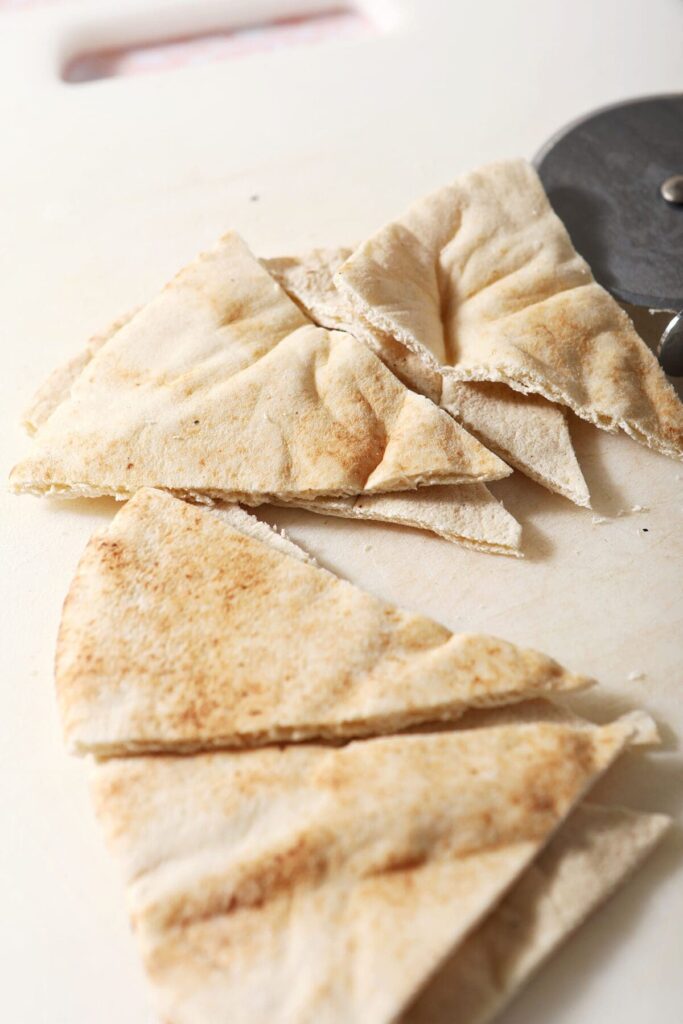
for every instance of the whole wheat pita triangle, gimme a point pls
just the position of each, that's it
(243, 645)
(221, 387)
(482, 280)
(527, 431)
(323, 884)
(591, 855)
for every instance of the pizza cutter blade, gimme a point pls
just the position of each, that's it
(615, 177)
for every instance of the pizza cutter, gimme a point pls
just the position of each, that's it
(615, 177)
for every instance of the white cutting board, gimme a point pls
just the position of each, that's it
(105, 190)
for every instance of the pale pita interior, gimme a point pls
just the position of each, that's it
(243, 645)
(592, 854)
(482, 280)
(527, 431)
(304, 884)
(220, 386)
(468, 515)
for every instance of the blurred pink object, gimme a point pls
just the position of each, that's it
(214, 46)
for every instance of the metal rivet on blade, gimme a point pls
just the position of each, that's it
(672, 189)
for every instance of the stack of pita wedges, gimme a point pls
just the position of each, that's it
(392, 382)
(326, 809)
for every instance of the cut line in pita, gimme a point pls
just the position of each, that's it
(595, 850)
(243, 645)
(368, 863)
(468, 515)
(482, 280)
(527, 431)
(221, 387)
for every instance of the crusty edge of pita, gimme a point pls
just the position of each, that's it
(591, 855)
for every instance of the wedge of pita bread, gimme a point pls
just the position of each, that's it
(221, 387)
(318, 884)
(591, 855)
(482, 280)
(243, 645)
(467, 515)
(527, 431)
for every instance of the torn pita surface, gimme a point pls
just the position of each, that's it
(324, 884)
(482, 280)
(467, 515)
(179, 633)
(527, 431)
(592, 854)
(221, 387)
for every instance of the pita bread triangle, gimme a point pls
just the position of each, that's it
(308, 884)
(221, 387)
(467, 515)
(527, 431)
(482, 280)
(243, 645)
(592, 854)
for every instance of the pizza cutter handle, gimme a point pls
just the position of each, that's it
(671, 347)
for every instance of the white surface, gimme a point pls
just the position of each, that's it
(106, 189)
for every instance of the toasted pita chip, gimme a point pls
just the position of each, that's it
(221, 387)
(243, 645)
(527, 431)
(467, 515)
(327, 884)
(593, 853)
(482, 280)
